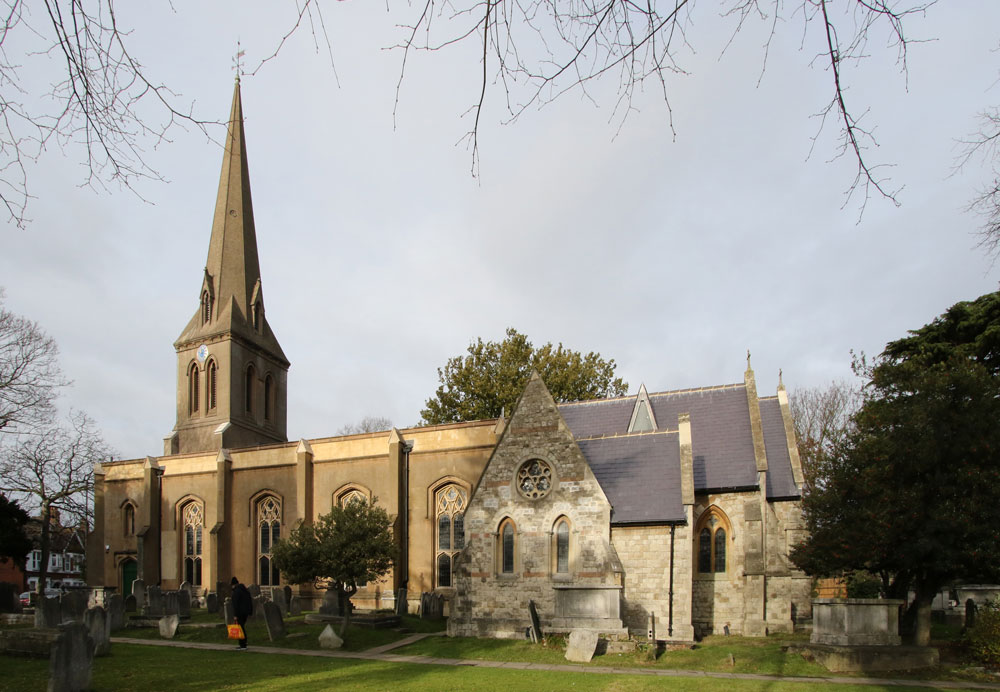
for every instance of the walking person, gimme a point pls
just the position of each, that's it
(242, 608)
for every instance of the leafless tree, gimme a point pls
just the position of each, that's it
(366, 424)
(823, 419)
(67, 78)
(30, 377)
(53, 469)
(985, 144)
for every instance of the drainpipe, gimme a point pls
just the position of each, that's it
(407, 447)
(670, 608)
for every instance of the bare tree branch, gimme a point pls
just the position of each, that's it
(985, 145)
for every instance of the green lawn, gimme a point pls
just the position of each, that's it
(136, 668)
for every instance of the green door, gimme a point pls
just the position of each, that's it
(129, 570)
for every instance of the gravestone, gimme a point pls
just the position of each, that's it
(228, 613)
(171, 603)
(223, 590)
(154, 602)
(184, 603)
(278, 599)
(431, 606)
(71, 659)
(130, 604)
(295, 606)
(99, 626)
(139, 591)
(581, 646)
(9, 601)
(211, 603)
(275, 623)
(970, 613)
(48, 613)
(401, 602)
(258, 608)
(254, 590)
(168, 626)
(328, 639)
(116, 612)
(186, 586)
(73, 605)
(536, 625)
(288, 595)
(651, 629)
(331, 604)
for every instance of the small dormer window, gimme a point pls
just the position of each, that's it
(643, 419)
(206, 307)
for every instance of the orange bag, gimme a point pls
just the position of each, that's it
(235, 631)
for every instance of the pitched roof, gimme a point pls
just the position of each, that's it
(640, 474)
(780, 482)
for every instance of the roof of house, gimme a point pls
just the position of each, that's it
(640, 472)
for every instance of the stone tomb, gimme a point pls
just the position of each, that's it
(274, 621)
(72, 659)
(856, 621)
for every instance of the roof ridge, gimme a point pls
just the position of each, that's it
(710, 388)
(627, 434)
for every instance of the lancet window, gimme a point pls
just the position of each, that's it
(450, 503)
(268, 532)
(194, 523)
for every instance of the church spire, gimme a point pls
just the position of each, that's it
(233, 266)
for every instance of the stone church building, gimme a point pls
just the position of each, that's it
(679, 504)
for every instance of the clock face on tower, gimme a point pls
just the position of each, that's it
(202, 353)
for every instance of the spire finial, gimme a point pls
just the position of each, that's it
(780, 383)
(748, 359)
(238, 61)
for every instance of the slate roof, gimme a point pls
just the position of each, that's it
(640, 474)
(780, 482)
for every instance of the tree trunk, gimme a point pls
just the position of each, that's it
(922, 620)
(346, 608)
(43, 567)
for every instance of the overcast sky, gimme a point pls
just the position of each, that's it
(382, 256)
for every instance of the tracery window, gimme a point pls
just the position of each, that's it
(213, 376)
(268, 532)
(712, 535)
(352, 496)
(560, 539)
(194, 523)
(128, 519)
(193, 389)
(534, 479)
(449, 505)
(507, 546)
(248, 390)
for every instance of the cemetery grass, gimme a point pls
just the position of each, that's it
(300, 635)
(136, 668)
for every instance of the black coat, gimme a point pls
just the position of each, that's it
(242, 601)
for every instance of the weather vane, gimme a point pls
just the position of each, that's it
(238, 60)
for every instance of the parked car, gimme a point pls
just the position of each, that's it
(28, 597)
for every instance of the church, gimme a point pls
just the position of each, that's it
(678, 507)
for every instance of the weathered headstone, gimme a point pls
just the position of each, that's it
(288, 594)
(139, 591)
(9, 601)
(328, 639)
(275, 623)
(186, 586)
(154, 602)
(331, 604)
(278, 599)
(581, 646)
(130, 604)
(211, 603)
(73, 605)
(228, 614)
(168, 626)
(431, 606)
(970, 613)
(295, 607)
(184, 603)
(651, 629)
(116, 612)
(223, 590)
(536, 625)
(71, 660)
(171, 603)
(99, 626)
(254, 590)
(400, 601)
(258, 608)
(47, 613)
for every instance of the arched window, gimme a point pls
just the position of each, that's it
(193, 389)
(193, 525)
(449, 506)
(248, 390)
(352, 496)
(258, 314)
(128, 519)
(560, 545)
(507, 546)
(213, 376)
(268, 531)
(206, 307)
(712, 532)
(268, 397)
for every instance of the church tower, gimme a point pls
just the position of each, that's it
(232, 375)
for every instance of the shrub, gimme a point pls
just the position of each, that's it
(863, 585)
(983, 639)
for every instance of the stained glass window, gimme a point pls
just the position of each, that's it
(449, 503)
(269, 530)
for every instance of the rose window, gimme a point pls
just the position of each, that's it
(534, 479)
